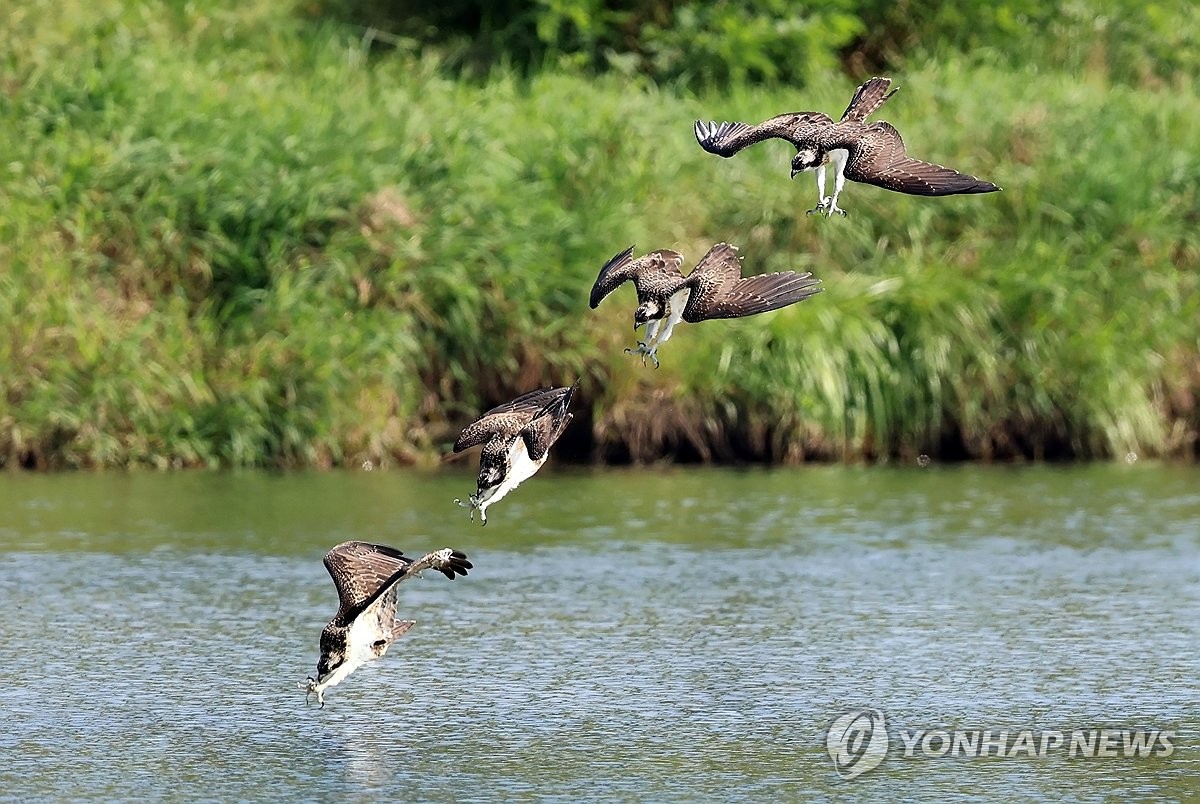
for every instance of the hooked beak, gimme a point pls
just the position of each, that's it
(636, 326)
(794, 172)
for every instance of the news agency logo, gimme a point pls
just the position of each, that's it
(858, 741)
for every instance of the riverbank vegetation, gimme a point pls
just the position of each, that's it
(253, 234)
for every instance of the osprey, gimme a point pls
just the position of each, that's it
(365, 625)
(714, 289)
(516, 439)
(867, 152)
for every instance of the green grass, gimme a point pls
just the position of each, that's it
(234, 238)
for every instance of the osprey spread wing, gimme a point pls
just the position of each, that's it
(872, 153)
(365, 624)
(506, 420)
(516, 439)
(715, 289)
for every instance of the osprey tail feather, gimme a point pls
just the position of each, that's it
(868, 98)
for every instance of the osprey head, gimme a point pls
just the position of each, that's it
(490, 474)
(332, 667)
(333, 656)
(806, 159)
(649, 310)
(492, 471)
(328, 663)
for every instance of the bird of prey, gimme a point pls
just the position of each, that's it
(714, 289)
(516, 439)
(365, 625)
(865, 152)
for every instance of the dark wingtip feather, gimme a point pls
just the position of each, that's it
(935, 180)
(969, 185)
(455, 569)
(795, 288)
(458, 563)
(617, 261)
(710, 135)
(570, 393)
(557, 408)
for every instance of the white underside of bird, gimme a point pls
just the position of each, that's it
(360, 649)
(520, 468)
(826, 204)
(659, 331)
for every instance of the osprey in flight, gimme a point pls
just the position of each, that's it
(714, 289)
(516, 439)
(365, 625)
(867, 152)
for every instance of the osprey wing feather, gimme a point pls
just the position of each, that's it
(720, 291)
(869, 153)
(545, 428)
(647, 272)
(516, 437)
(365, 625)
(726, 139)
(714, 289)
(361, 572)
(879, 158)
(505, 419)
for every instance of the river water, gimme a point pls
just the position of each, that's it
(651, 635)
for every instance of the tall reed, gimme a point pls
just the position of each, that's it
(231, 238)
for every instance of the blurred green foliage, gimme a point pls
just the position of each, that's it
(729, 41)
(233, 235)
(697, 42)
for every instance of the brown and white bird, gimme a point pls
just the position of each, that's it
(516, 439)
(365, 625)
(714, 289)
(872, 153)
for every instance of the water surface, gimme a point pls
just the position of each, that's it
(666, 634)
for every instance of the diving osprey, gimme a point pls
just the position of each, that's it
(365, 625)
(714, 289)
(867, 152)
(516, 439)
